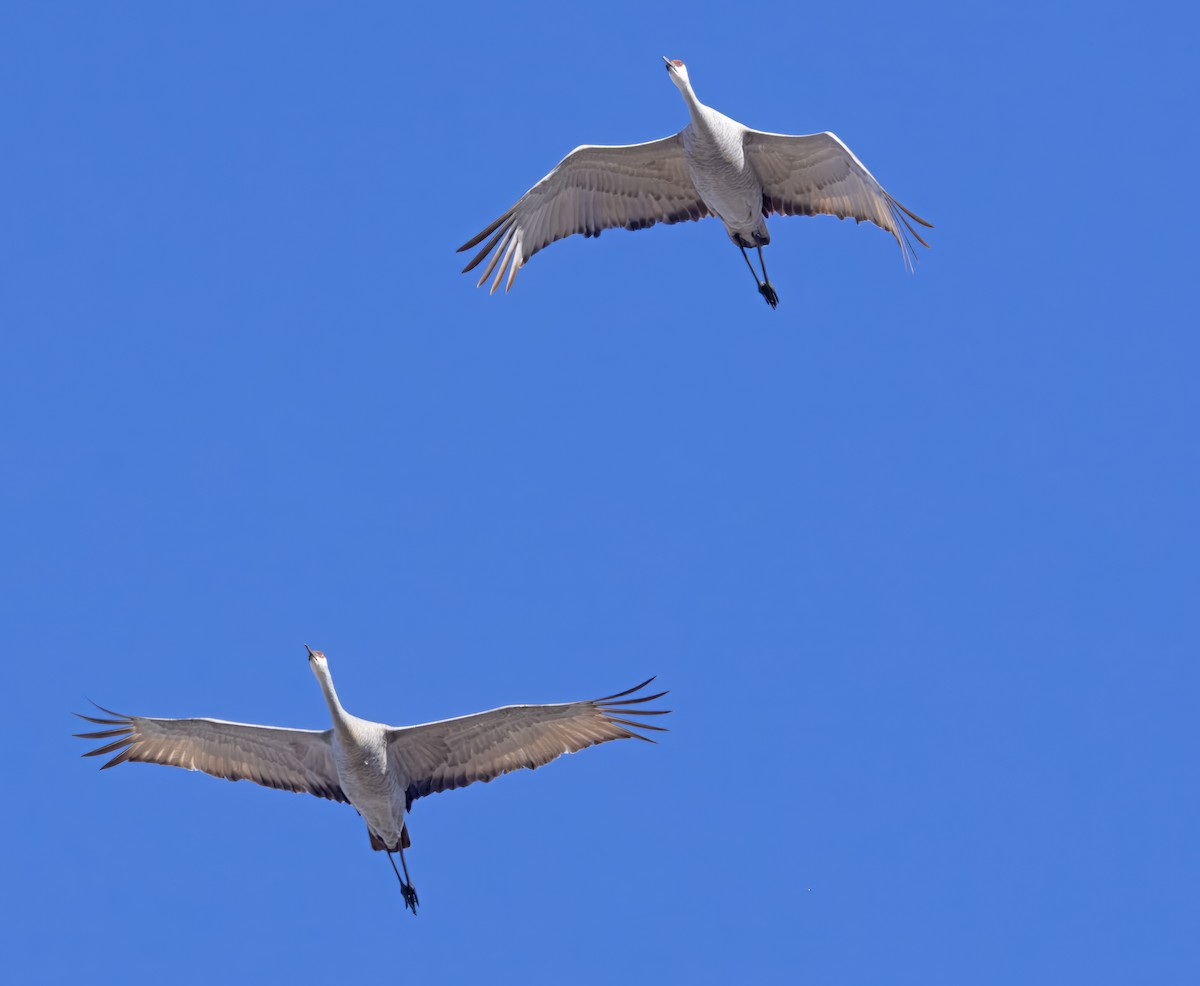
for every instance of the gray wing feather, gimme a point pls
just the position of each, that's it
(816, 174)
(592, 189)
(287, 759)
(440, 756)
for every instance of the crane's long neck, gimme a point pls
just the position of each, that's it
(695, 107)
(711, 140)
(341, 718)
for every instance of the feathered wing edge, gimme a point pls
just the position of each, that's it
(127, 731)
(504, 228)
(904, 232)
(901, 228)
(607, 705)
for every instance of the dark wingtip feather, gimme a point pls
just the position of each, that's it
(120, 720)
(124, 732)
(104, 733)
(119, 758)
(628, 691)
(614, 710)
(109, 747)
(638, 712)
(912, 215)
(102, 722)
(478, 238)
(119, 715)
(635, 701)
(916, 234)
(486, 249)
(638, 725)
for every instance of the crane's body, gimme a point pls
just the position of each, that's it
(725, 181)
(714, 166)
(372, 783)
(378, 769)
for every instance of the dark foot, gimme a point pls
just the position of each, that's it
(410, 896)
(768, 292)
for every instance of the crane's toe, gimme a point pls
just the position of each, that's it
(768, 292)
(410, 896)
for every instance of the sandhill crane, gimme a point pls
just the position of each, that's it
(378, 769)
(713, 166)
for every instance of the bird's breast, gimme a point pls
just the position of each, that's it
(725, 181)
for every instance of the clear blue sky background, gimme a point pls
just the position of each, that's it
(916, 555)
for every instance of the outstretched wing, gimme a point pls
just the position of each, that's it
(592, 189)
(816, 174)
(288, 759)
(440, 756)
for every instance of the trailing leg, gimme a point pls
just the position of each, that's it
(765, 289)
(764, 286)
(406, 887)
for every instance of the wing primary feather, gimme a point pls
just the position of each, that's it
(633, 701)
(637, 725)
(109, 747)
(119, 758)
(630, 733)
(101, 722)
(516, 266)
(913, 215)
(104, 734)
(508, 233)
(120, 716)
(512, 243)
(628, 691)
(484, 252)
(911, 230)
(487, 232)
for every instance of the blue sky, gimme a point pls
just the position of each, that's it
(916, 555)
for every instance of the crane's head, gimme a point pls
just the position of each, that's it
(316, 658)
(677, 71)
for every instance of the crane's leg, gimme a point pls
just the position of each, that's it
(765, 289)
(764, 286)
(406, 887)
(411, 889)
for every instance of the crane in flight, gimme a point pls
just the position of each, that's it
(380, 770)
(714, 166)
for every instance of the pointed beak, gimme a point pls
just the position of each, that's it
(311, 653)
(668, 61)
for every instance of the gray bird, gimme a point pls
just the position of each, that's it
(714, 166)
(380, 770)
